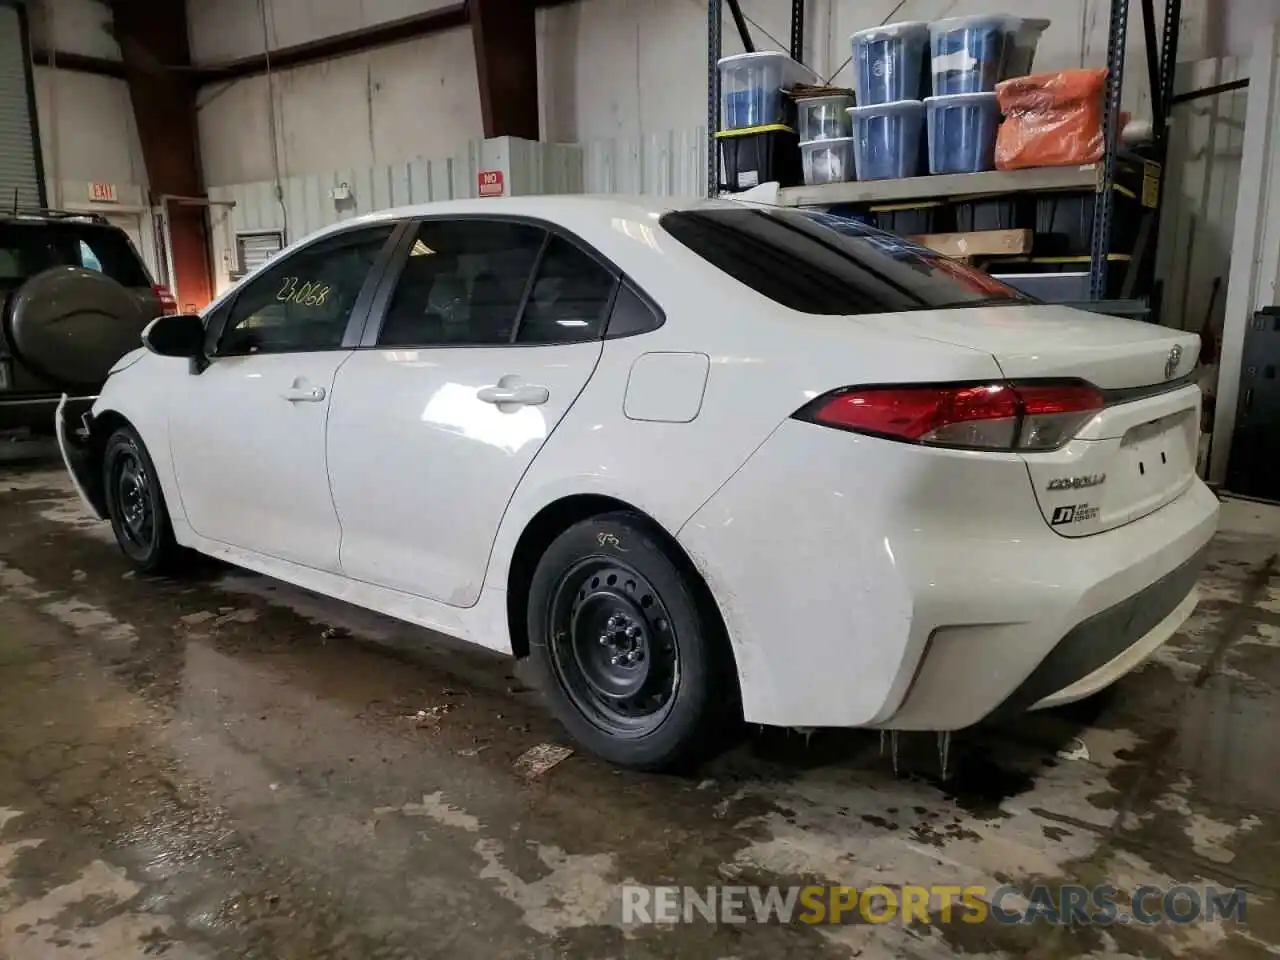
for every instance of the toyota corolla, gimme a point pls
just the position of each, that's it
(698, 462)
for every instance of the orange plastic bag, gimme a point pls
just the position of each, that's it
(1051, 119)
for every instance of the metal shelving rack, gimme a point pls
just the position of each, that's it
(1161, 63)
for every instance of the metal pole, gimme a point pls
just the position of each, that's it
(797, 30)
(1168, 66)
(740, 22)
(715, 14)
(1105, 203)
(1154, 73)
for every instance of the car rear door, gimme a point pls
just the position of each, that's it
(482, 338)
(248, 433)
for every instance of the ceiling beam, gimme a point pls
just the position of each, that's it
(506, 47)
(78, 63)
(338, 45)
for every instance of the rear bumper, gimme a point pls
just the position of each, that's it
(77, 451)
(869, 583)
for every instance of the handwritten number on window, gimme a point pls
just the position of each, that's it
(305, 294)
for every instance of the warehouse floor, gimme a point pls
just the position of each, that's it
(225, 766)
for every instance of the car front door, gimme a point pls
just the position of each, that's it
(248, 432)
(491, 330)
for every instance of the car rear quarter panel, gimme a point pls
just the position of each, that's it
(765, 363)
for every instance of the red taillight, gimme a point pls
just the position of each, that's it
(986, 416)
(168, 302)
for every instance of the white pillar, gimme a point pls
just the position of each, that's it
(1254, 281)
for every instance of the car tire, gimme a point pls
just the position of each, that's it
(628, 648)
(136, 506)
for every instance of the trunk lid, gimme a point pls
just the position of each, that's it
(1135, 455)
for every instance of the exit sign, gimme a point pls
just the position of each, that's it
(490, 183)
(102, 192)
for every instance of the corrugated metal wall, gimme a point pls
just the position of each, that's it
(668, 164)
(20, 174)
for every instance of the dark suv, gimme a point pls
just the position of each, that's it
(74, 298)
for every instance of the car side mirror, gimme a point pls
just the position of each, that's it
(175, 335)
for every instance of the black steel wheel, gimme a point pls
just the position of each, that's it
(613, 646)
(627, 646)
(135, 503)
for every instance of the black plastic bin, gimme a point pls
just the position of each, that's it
(759, 155)
(910, 220)
(1064, 221)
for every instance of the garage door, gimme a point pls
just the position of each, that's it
(18, 169)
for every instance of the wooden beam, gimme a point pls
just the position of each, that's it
(451, 17)
(506, 66)
(78, 63)
(157, 58)
(978, 243)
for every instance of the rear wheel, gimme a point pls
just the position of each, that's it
(627, 648)
(135, 504)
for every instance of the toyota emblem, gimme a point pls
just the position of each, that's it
(1171, 365)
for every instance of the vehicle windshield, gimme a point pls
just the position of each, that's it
(825, 264)
(28, 248)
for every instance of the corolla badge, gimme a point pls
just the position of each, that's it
(1078, 483)
(1171, 365)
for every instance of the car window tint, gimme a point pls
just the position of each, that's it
(108, 250)
(824, 264)
(631, 314)
(88, 259)
(462, 283)
(570, 295)
(305, 301)
(33, 247)
(27, 249)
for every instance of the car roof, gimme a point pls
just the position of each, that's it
(46, 217)
(556, 208)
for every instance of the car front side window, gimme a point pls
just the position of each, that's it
(304, 302)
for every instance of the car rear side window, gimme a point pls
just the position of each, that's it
(570, 295)
(463, 284)
(109, 251)
(823, 264)
(33, 247)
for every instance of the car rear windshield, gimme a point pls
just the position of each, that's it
(826, 264)
(32, 247)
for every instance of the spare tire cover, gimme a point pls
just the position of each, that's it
(71, 325)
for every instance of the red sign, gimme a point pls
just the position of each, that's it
(102, 192)
(490, 183)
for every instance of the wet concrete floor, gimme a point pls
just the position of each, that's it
(224, 766)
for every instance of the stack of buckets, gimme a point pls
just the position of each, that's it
(967, 57)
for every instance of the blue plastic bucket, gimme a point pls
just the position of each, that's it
(886, 139)
(968, 54)
(962, 132)
(751, 86)
(888, 62)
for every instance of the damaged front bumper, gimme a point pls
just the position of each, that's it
(76, 445)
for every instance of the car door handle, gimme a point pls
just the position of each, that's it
(528, 395)
(303, 394)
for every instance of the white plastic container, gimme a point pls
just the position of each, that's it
(824, 118)
(1021, 54)
(751, 87)
(827, 161)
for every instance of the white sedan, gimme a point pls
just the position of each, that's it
(699, 462)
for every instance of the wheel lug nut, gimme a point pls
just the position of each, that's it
(605, 639)
(616, 660)
(633, 631)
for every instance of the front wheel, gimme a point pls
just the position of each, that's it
(628, 648)
(135, 504)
